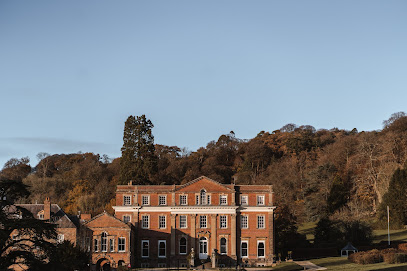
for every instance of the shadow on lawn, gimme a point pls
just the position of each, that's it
(393, 236)
(396, 268)
(333, 263)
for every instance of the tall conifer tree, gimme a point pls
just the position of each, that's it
(139, 161)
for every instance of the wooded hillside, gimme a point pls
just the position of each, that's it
(314, 172)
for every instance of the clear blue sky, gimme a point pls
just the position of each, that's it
(71, 72)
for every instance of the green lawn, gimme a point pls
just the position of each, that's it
(395, 235)
(308, 229)
(342, 264)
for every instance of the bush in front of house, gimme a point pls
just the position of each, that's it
(366, 257)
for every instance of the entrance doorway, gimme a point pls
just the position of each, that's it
(203, 248)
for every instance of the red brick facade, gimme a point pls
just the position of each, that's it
(170, 220)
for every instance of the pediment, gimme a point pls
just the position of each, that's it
(104, 219)
(206, 183)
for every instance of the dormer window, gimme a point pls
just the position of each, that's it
(41, 215)
(203, 197)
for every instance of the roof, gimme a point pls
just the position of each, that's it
(110, 217)
(58, 216)
(349, 246)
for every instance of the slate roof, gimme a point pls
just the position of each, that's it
(58, 216)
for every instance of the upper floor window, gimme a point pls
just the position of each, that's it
(244, 222)
(202, 221)
(96, 245)
(223, 222)
(183, 221)
(223, 199)
(183, 200)
(111, 244)
(60, 238)
(244, 200)
(126, 218)
(260, 222)
(162, 222)
(162, 200)
(127, 200)
(145, 221)
(145, 200)
(104, 242)
(121, 244)
(260, 200)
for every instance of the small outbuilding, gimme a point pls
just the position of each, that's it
(348, 248)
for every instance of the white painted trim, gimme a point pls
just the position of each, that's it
(195, 209)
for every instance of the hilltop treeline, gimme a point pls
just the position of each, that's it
(314, 172)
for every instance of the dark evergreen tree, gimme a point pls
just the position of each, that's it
(396, 199)
(338, 195)
(139, 161)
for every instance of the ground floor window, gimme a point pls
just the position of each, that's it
(183, 245)
(223, 245)
(145, 244)
(161, 248)
(260, 249)
(244, 249)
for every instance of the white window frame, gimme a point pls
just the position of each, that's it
(197, 199)
(124, 244)
(186, 246)
(183, 199)
(223, 224)
(203, 221)
(203, 197)
(162, 222)
(261, 221)
(144, 222)
(142, 248)
(247, 249)
(103, 242)
(145, 200)
(181, 226)
(220, 246)
(261, 199)
(111, 245)
(208, 199)
(162, 200)
(60, 238)
(165, 248)
(264, 248)
(96, 245)
(126, 217)
(244, 202)
(244, 221)
(223, 200)
(126, 200)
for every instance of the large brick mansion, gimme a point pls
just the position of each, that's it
(175, 225)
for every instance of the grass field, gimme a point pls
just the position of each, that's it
(342, 264)
(395, 235)
(378, 235)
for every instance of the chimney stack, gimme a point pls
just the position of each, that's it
(47, 209)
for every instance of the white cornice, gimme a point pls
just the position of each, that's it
(194, 209)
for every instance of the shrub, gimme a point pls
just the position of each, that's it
(394, 257)
(402, 246)
(366, 257)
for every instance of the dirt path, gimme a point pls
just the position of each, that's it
(309, 265)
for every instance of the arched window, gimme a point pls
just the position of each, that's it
(223, 245)
(183, 245)
(104, 242)
(260, 249)
(203, 197)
